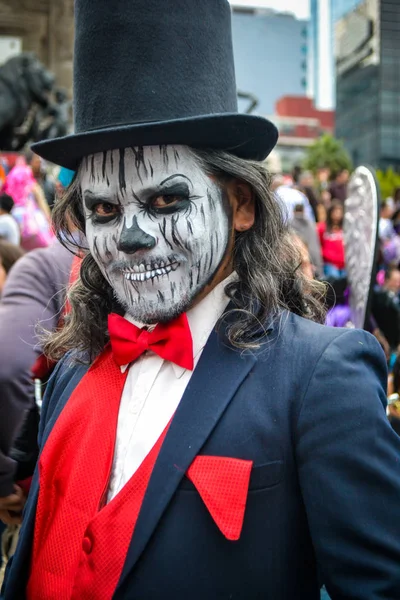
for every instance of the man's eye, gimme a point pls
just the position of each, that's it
(105, 209)
(165, 201)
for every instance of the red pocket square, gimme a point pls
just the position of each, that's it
(223, 484)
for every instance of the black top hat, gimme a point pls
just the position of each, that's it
(151, 72)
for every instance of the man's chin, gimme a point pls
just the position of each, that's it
(157, 315)
(150, 312)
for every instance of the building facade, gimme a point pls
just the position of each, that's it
(259, 37)
(41, 26)
(324, 15)
(46, 28)
(368, 83)
(299, 124)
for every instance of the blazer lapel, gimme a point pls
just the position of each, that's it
(58, 401)
(213, 384)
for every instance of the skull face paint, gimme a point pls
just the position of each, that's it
(157, 226)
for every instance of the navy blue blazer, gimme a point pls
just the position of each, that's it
(324, 500)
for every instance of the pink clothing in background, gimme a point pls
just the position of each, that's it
(36, 231)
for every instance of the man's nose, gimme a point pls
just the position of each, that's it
(133, 239)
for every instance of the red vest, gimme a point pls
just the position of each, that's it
(80, 543)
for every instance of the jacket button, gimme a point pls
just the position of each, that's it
(87, 545)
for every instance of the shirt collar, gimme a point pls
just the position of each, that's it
(202, 318)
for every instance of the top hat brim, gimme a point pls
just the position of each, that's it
(246, 136)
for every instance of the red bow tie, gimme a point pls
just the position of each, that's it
(172, 341)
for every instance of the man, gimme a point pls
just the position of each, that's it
(220, 446)
(291, 197)
(306, 185)
(9, 229)
(307, 232)
(386, 307)
(392, 282)
(338, 187)
(386, 228)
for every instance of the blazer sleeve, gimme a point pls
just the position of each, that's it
(349, 469)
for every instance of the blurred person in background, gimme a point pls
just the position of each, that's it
(9, 254)
(392, 282)
(306, 185)
(324, 194)
(3, 171)
(386, 307)
(396, 221)
(323, 175)
(64, 179)
(296, 172)
(277, 181)
(306, 264)
(306, 231)
(290, 197)
(396, 198)
(394, 395)
(338, 187)
(38, 167)
(386, 227)
(9, 229)
(34, 293)
(332, 243)
(31, 210)
(389, 225)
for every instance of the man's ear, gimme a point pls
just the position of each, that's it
(241, 197)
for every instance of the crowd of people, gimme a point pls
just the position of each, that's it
(314, 204)
(34, 272)
(315, 210)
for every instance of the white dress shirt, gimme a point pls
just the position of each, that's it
(153, 389)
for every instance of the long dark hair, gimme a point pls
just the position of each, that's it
(265, 258)
(329, 223)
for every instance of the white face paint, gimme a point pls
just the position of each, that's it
(157, 226)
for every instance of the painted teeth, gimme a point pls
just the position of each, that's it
(141, 273)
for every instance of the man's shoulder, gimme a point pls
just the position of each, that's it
(295, 336)
(71, 365)
(291, 325)
(301, 351)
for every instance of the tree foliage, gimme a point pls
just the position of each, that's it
(327, 152)
(389, 181)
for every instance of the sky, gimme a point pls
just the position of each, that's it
(301, 8)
